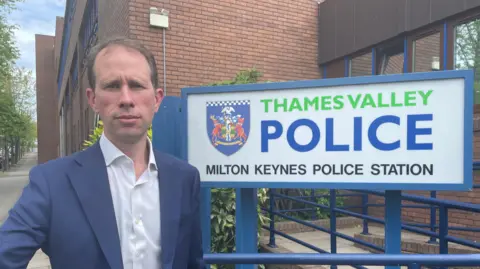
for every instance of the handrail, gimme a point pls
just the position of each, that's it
(415, 260)
(427, 200)
(436, 232)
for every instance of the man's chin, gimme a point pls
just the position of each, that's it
(128, 135)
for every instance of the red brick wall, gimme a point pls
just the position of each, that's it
(212, 40)
(46, 93)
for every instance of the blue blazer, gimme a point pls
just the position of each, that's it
(67, 211)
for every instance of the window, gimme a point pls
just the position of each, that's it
(361, 65)
(390, 58)
(426, 53)
(467, 51)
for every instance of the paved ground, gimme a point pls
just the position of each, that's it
(13, 181)
(322, 241)
(11, 186)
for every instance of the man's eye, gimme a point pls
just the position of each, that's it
(113, 85)
(136, 85)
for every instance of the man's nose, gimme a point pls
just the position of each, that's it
(126, 96)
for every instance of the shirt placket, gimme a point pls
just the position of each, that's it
(139, 243)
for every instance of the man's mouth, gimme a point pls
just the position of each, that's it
(127, 117)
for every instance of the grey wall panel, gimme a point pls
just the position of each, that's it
(445, 8)
(327, 32)
(346, 26)
(418, 13)
(472, 4)
(401, 10)
(390, 19)
(345, 38)
(375, 21)
(367, 20)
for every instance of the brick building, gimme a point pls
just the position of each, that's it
(211, 40)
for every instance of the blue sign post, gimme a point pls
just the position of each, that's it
(379, 132)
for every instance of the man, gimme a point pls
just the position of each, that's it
(119, 203)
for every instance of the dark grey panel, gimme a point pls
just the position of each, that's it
(418, 13)
(445, 8)
(327, 40)
(375, 21)
(345, 26)
(472, 4)
(401, 18)
(366, 19)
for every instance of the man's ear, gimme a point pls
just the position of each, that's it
(158, 98)
(91, 99)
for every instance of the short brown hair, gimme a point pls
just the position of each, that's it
(126, 42)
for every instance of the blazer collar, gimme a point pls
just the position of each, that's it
(90, 180)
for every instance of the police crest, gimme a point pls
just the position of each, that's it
(228, 125)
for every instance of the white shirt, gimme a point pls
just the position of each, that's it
(137, 207)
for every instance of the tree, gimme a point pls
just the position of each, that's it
(17, 113)
(13, 120)
(9, 53)
(467, 51)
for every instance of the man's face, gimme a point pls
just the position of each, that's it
(124, 95)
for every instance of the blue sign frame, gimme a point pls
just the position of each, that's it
(467, 75)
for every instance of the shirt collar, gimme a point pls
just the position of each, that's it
(111, 152)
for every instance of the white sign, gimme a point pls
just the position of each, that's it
(397, 134)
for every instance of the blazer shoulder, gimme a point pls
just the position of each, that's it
(58, 164)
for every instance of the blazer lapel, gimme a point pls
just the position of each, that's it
(90, 181)
(170, 205)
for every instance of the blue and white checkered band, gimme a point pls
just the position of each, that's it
(228, 124)
(229, 103)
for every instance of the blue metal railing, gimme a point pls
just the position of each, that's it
(431, 203)
(442, 205)
(413, 261)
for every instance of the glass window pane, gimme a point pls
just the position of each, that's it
(467, 51)
(426, 53)
(393, 64)
(390, 58)
(361, 65)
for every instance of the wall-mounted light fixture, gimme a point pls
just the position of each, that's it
(158, 18)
